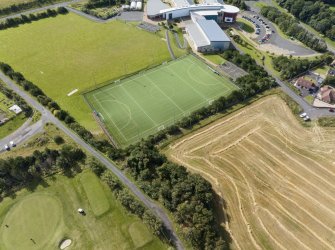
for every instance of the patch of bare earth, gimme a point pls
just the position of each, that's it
(276, 177)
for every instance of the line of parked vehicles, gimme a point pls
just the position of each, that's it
(258, 28)
(268, 30)
(305, 117)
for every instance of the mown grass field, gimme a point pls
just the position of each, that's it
(276, 177)
(49, 214)
(69, 52)
(149, 101)
(12, 125)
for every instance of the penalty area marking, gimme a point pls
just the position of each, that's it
(72, 92)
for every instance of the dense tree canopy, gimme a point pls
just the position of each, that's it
(290, 68)
(315, 13)
(291, 27)
(18, 171)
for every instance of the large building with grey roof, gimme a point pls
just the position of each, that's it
(204, 32)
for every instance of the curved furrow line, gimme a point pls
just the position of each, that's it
(216, 125)
(240, 205)
(284, 228)
(284, 180)
(292, 201)
(234, 143)
(298, 163)
(304, 156)
(300, 222)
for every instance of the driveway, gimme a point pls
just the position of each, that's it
(24, 133)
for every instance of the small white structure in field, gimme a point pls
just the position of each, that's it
(16, 109)
(139, 5)
(133, 5)
(125, 7)
(81, 211)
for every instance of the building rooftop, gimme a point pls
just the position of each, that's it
(305, 83)
(327, 94)
(207, 12)
(212, 31)
(197, 36)
(180, 3)
(155, 6)
(195, 7)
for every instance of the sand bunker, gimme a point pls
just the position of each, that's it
(65, 243)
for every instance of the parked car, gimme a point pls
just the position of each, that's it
(12, 144)
(331, 110)
(6, 147)
(306, 118)
(302, 115)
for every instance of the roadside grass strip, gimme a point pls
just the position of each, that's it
(145, 103)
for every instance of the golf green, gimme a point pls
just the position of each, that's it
(25, 224)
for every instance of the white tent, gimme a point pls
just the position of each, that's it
(133, 5)
(139, 5)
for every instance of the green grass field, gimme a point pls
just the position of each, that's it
(145, 103)
(77, 53)
(216, 59)
(49, 214)
(245, 25)
(12, 125)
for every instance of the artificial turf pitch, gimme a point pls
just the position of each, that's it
(147, 102)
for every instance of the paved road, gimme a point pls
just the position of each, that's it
(276, 39)
(50, 118)
(52, 6)
(24, 133)
(167, 37)
(253, 7)
(312, 112)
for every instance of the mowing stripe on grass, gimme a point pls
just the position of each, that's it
(95, 193)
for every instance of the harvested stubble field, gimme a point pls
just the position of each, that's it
(276, 177)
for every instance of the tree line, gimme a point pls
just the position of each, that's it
(291, 67)
(92, 4)
(189, 197)
(15, 172)
(10, 94)
(102, 145)
(130, 202)
(16, 21)
(238, 3)
(290, 26)
(19, 7)
(315, 13)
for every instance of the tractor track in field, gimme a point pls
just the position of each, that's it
(278, 195)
